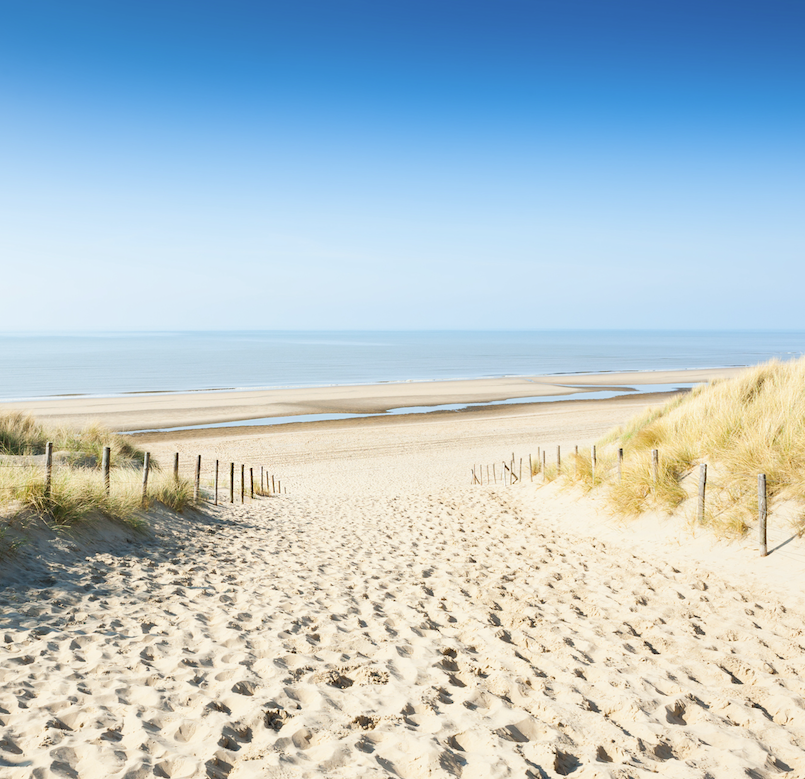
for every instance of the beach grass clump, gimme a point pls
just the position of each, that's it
(754, 423)
(79, 495)
(77, 492)
(22, 435)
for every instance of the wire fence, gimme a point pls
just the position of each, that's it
(510, 472)
(42, 467)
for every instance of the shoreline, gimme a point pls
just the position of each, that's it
(70, 396)
(159, 411)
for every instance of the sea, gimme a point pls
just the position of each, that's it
(40, 365)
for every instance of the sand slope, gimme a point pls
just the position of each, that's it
(385, 618)
(405, 635)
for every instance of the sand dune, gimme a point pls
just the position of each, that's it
(385, 618)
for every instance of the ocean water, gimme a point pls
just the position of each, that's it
(41, 365)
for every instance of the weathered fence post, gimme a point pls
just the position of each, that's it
(702, 488)
(620, 464)
(494, 473)
(251, 481)
(762, 512)
(262, 489)
(520, 477)
(48, 468)
(176, 466)
(216, 482)
(273, 489)
(197, 482)
(105, 465)
(544, 457)
(655, 465)
(146, 468)
(242, 483)
(592, 462)
(231, 482)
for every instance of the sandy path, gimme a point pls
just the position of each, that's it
(387, 619)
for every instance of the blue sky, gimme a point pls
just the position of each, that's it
(402, 165)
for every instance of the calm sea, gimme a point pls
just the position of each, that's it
(38, 365)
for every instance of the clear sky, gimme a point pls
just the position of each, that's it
(402, 164)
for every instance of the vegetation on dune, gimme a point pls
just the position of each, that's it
(21, 434)
(77, 492)
(754, 423)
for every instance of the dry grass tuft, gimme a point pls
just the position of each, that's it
(77, 493)
(752, 424)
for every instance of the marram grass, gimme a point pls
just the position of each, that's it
(21, 434)
(78, 493)
(740, 427)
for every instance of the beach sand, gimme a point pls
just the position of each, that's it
(160, 410)
(387, 618)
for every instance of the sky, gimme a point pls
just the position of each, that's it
(380, 164)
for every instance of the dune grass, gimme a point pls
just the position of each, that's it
(78, 493)
(21, 434)
(754, 423)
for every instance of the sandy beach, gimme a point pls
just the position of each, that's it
(386, 618)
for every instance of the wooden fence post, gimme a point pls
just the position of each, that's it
(273, 489)
(197, 482)
(543, 461)
(231, 482)
(146, 468)
(48, 469)
(176, 466)
(251, 481)
(242, 482)
(592, 462)
(216, 482)
(620, 464)
(539, 460)
(520, 477)
(262, 489)
(762, 512)
(655, 465)
(702, 488)
(106, 464)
